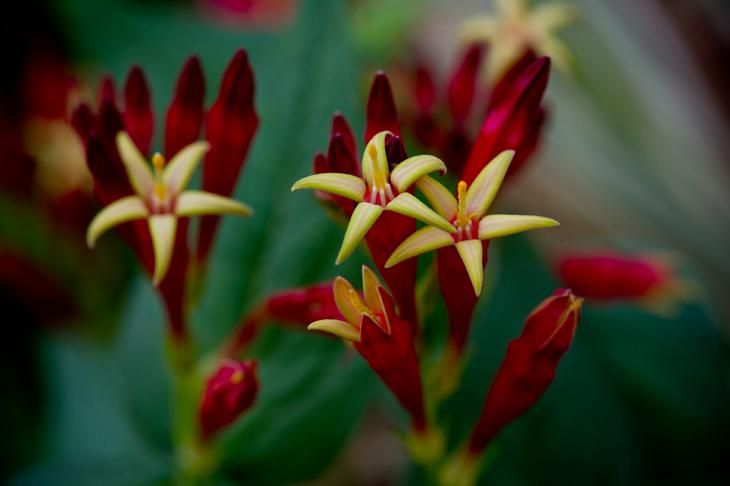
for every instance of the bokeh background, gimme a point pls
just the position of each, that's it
(635, 158)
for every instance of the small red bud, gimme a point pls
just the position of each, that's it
(228, 393)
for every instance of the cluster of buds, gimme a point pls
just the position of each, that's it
(149, 203)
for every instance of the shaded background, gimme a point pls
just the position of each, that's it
(635, 158)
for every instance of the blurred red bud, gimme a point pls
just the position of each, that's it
(228, 393)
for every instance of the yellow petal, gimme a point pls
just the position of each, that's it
(120, 211)
(375, 159)
(195, 203)
(484, 189)
(409, 205)
(424, 240)
(344, 185)
(479, 29)
(138, 170)
(503, 53)
(162, 229)
(440, 198)
(344, 294)
(370, 284)
(342, 329)
(470, 252)
(180, 169)
(496, 225)
(558, 53)
(413, 168)
(549, 17)
(510, 8)
(362, 220)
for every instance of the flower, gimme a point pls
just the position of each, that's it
(377, 190)
(381, 337)
(161, 198)
(526, 371)
(229, 392)
(609, 277)
(467, 213)
(514, 29)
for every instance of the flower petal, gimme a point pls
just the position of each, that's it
(409, 205)
(342, 329)
(344, 185)
(413, 168)
(162, 229)
(484, 189)
(496, 225)
(549, 17)
(120, 211)
(479, 29)
(361, 221)
(180, 169)
(424, 240)
(470, 252)
(440, 198)
(138, 170)
(373, 298)
(375, 159)
(195, 203)
(344, 294)
(558, 53)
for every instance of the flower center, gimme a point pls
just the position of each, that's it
(467, 225)
(363, 309)
(161, 198)
(381, 192)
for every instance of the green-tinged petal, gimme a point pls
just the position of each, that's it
(496, 225)
(342, 329)
(510, 8)
(504, 52)
(138, 170)
(346, 299)
(180, 169)
(413, 168)
(558, 53)
(549, 17)
(120, 211)
(409, 205)
(484, 189)
(440, 198)
(195, 203)
(470, 252)
(344, 185)
(362, 220)
(375, 159)
(162, 229)
(422, 241)
(479, 29)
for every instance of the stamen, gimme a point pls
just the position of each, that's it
(461, 216)
(160, 189)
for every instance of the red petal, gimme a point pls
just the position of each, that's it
(463, 84)
(341, 127)
(381, 112)
(305, 305)
(425, 89)
(107, 90)
(396, 363)
(228, 393)
(172, 287)
(185, 115)
(138, 116)
(230, 127)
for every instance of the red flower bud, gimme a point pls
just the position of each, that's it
(462, 86)
(304, 305)
(528, 366)
(228, 393)
(514, 119)
(138, 116)
(185, 115)
(230, 127)
(381, 112)
(612, 277)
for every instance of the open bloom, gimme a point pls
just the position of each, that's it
(379, 189)
(160, 198)
(381, 337)
(467, 213)
(514, 29)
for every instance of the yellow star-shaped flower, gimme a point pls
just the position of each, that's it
(160, 198)
(514, 28)
(468, 213)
